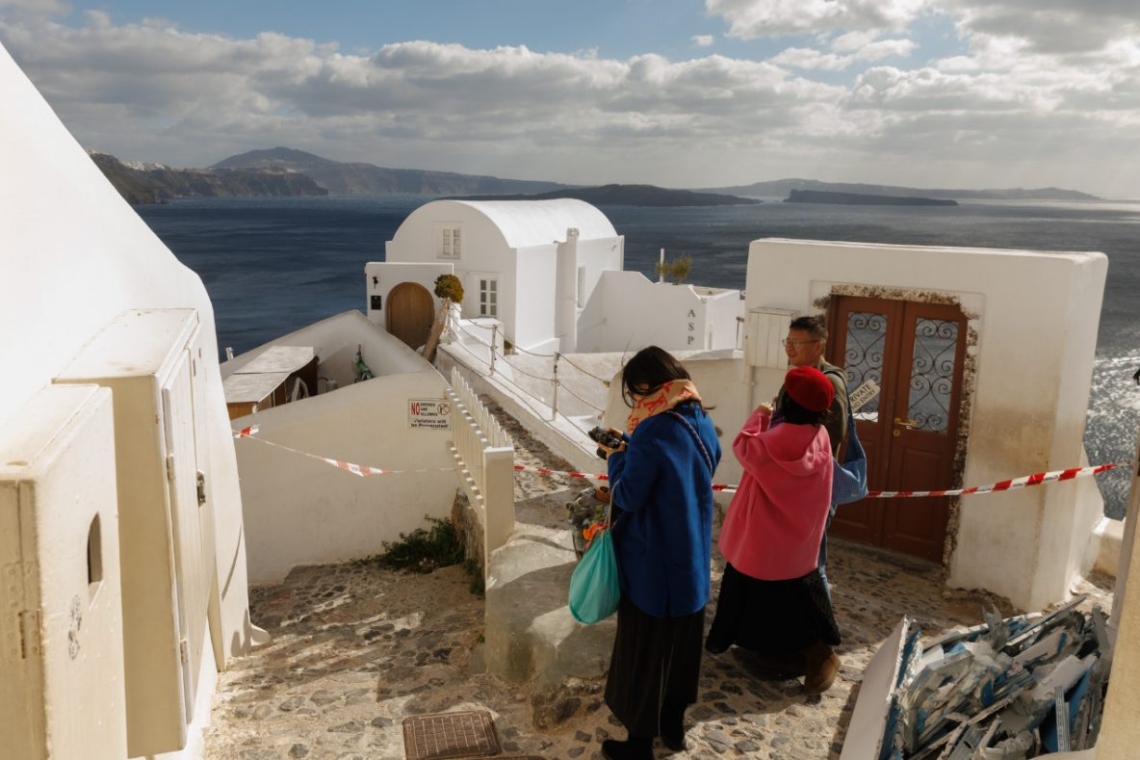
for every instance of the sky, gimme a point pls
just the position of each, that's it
(678, 93)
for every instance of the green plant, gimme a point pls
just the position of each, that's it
(677, 269)
(449, 287)
(423, 551)
(477, 587)
(680, 268)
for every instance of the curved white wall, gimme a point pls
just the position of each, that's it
(303, 511)
(75, 255)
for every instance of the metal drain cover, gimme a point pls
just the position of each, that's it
(447, 735)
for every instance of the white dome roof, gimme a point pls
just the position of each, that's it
(529, 223)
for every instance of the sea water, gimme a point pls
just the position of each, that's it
(273, 265)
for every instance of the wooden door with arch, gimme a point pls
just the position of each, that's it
(915, 352)
(411, 311)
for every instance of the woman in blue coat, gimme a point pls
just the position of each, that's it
(661, 482)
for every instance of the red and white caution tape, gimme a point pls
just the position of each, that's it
(360, 470)
(365, 471)
(1005, 485)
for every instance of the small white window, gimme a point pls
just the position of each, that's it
(488, 297)
(450, 243)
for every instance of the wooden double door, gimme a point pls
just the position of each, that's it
(914, 352)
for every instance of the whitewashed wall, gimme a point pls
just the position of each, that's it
(724, 318)
(627, 312)
(598, 256)
(582, 263)
(1036, 316)
(533, 292)
(1120, 732)
(74, 255)
(299, 510)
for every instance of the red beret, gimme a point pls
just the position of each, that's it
(809, 388)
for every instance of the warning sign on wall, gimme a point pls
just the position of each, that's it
(429, 413)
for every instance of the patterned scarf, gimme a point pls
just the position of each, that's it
(662, 400)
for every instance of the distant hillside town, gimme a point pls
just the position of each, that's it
(290, 172)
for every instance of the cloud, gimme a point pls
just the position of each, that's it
(810, 58)
(702, 40)
(830, 107)
(752, 19)
(1062, 27)
(153, 92)
(38, 7)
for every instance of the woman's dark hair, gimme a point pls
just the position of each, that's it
(649, 369)
(795, 414)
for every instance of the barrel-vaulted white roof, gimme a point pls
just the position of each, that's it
(529, 223)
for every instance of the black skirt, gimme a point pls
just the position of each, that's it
(772, 617)
(654, 660)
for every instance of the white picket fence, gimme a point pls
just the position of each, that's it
(485, 459)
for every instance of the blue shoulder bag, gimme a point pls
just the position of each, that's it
(849, 478)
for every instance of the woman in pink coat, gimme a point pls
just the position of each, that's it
(772, 598)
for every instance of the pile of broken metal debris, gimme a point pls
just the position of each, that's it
(1008, 689)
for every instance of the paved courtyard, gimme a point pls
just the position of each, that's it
(356, 650)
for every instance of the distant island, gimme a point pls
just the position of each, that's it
(158, 184)
(289, 172)
(863, 199)
(357, 178)
(628, 195)
(284, 171)
(780, 188)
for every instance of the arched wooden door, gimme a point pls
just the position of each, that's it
(915, 353)
(410, 312)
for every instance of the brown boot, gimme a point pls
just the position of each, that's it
(822, 667)
(793, 664)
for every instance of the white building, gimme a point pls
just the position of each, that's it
(529, 264)
(121, 546)
(984, 360)
(550, 272)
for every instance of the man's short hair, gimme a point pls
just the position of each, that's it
(815, 326)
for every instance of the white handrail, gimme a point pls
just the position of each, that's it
(485, 457)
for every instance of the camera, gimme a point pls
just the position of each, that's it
(606, 438)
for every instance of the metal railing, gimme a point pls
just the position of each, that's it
(493, 360)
